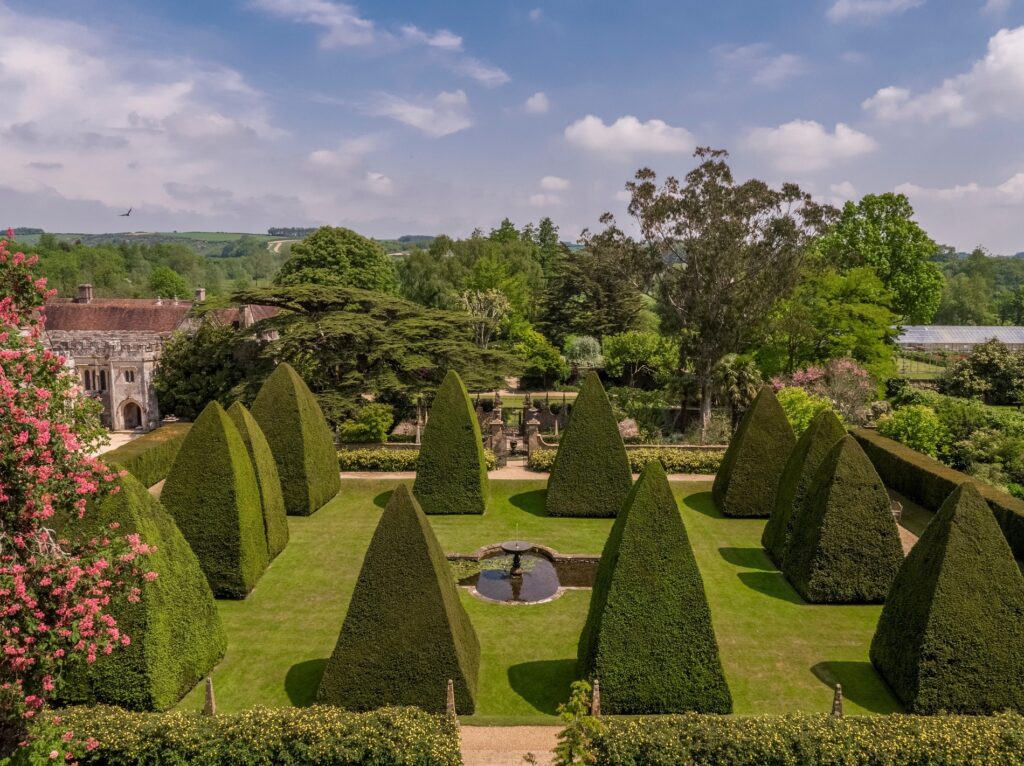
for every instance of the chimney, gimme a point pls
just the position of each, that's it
(84, 294)
(200, 294)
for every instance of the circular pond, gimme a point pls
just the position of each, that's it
(538, 581)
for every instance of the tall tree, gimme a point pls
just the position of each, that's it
(880, 232)
(339, 257)
(724, 252)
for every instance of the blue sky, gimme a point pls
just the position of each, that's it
(427, 117)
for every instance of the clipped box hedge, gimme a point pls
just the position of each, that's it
(384, 459)
(149, 457)
(672, 459)
(326, 736)
(928, 482)
(796, 740)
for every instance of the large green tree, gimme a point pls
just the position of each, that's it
(880, 232)
(339, 257)
(724, 253)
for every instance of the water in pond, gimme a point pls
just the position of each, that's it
(539, 580)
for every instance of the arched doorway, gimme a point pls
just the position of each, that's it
(131, 416)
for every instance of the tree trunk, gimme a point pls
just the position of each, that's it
(705, 409)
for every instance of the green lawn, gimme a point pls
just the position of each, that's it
(780, 655)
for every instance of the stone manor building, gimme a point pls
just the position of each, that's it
(115, 344)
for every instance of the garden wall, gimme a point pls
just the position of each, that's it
(149, 458)
(928, 482)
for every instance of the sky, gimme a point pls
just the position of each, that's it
(439, 116)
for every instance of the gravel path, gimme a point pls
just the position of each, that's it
(507, 745)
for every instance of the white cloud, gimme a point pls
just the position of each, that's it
(544, 200)
(996, 7)
(536, 15)
(627, 135)
(843, 190)
(994, 86)
(341, 22)
(378, 183)
(538, 103)
(347, 155)
(1009, 192)
(622, 195)
(554, 183)
(484, 73)
(446, 113)
(443, 39)
(866, 10)
(804, 145)
(759, 63)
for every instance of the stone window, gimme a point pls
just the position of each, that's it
(129, 375)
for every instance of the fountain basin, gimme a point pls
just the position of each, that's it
(543, 574)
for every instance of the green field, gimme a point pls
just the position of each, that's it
(780, 654)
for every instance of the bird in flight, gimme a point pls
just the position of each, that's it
(125, 215)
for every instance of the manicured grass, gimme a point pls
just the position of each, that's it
(780, 655)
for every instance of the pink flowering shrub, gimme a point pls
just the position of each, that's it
(843, 382)
(54, 592)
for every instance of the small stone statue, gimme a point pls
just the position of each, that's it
(450, 705)
(210, 706)
(837, 702)
(595, 698)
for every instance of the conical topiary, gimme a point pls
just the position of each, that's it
(746, 482)
(451, 472)
(951, 635)
(591, 475)
(213, 496)
(844, 546)
(303, 447)
(648, 635)
(275, 519)
(824, 430)
(406, 632)
(174, 627)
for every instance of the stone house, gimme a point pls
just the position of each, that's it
(114, 345)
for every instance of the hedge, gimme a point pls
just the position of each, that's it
(672, 459)
(591, 474)
(275, 519)
(175, 629)
(302, 444)
(648, 635)
(799, 740)
(928, 483)
(325, 736)
(149, 457)
(951, 634)
(824, 430)
(451, 473)
(745, 485)
(406, 632)
(213, 496)
(844, 546)
(384, 459)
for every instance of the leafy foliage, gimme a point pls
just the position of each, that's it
(673, 460)
(801, 407)
(591, 475)
(648, 635)
(950, 634)
(406, 632)
(451, 473)
(177, 636)
(371, 424)
(275, 521)
(214, 497)
(385, 459)
(542, 364)
(991, 372)
(745, 484)
(339, 257)
(165, 282)
(843, 546)
(916, 426)
(149, 457)
(640, 358)
(814, 444)
(300, 440)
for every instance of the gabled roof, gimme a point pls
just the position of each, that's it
(959, 334)
(116, 314)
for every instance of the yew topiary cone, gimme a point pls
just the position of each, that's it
(845, 546)
(824, 430)
(746, 482)
(303, 447)
(591, 474)
(406, 632)
(951, 635)
(214, 498)
(275, 519)
(451, 471)
(175, 629)
(648, 635)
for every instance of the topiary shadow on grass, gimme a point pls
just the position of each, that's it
(544, 683)
(381, 500)
(861, 684)
(749, 558)
(531, 502)
(302, 680)
(704, 502)
(772, 584)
